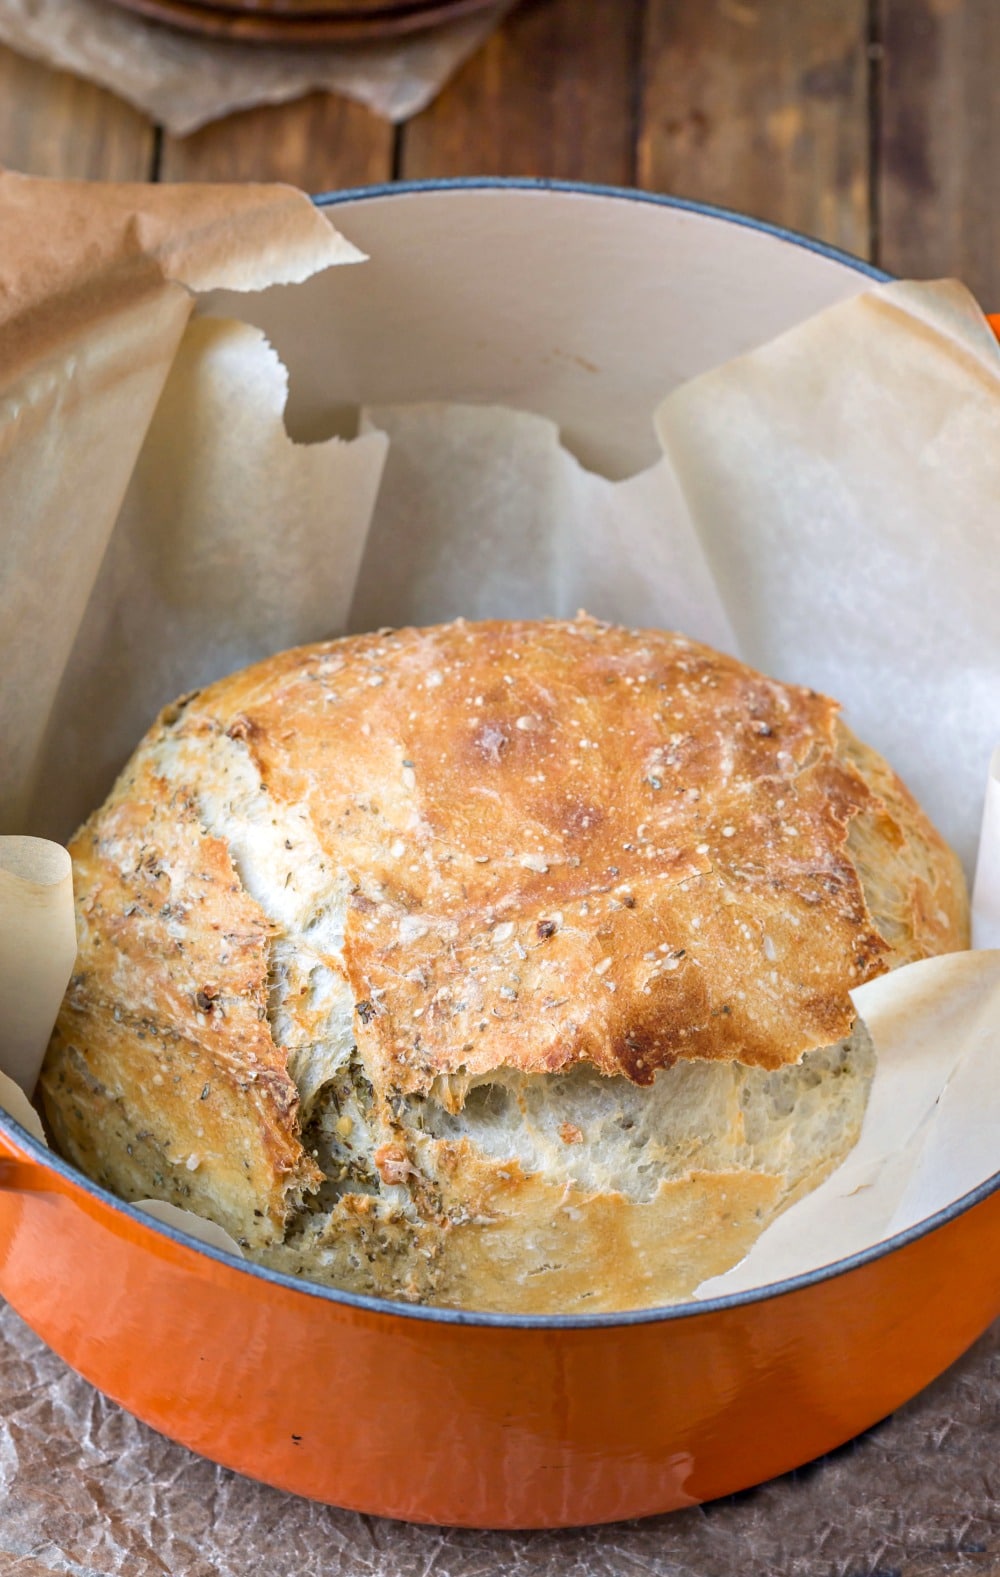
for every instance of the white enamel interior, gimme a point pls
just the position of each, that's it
(583, 306)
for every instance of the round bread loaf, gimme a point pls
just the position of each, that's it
(498, 965)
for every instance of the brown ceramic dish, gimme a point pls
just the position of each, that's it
(292, 25)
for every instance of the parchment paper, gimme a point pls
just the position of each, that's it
(183, 81)
(986, 891)
(845, 479)
(95, 292)
(931, 1131)
(822, 467)
(37, 950)
(287, 531)
(549, 536)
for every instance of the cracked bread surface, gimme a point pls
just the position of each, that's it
(391, 946)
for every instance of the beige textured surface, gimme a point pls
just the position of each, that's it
(85, 1490)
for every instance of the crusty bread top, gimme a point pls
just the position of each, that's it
(558, 841)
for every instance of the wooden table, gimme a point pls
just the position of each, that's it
(872, 124)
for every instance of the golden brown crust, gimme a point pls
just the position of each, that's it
(500, 1221)
(616, 846)
(162, 1048)
(552, 842)
(913, 881)
(527, 1244)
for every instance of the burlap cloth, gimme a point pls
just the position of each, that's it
(87, 1490)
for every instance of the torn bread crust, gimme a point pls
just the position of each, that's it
(670, 1183)
(472, 854)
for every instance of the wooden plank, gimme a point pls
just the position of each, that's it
(320, 143)
(761, 105)
(52, 123)
(551, 93)
(939, 144)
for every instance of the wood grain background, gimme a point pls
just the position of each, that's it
(873, 124)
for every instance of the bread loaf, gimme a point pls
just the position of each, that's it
(497, 965)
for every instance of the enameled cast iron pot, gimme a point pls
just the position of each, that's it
(587, 305)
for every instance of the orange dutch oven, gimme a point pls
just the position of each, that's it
(483, 1420)
(465, 1418)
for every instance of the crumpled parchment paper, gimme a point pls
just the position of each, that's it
(183, 81)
